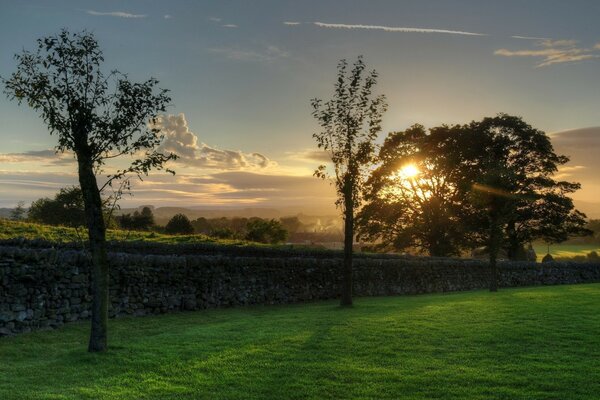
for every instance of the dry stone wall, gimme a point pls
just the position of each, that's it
(44, 288)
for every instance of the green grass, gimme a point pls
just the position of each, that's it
(565, 251)
(28, 230)
(531, 343)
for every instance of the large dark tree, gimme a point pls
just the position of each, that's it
(97, 117)
(416, 197)
(179, 224)
(138, 221)
(350, 123)
(66, 208)
(265, 231)
(542, 208)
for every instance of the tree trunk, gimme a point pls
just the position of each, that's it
(97, 236)
(495, 235)
(514, 248)
(346, 299)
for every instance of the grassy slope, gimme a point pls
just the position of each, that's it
(12, 229)
(534, 343)
(565, 250)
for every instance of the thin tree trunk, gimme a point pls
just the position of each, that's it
(493, 250)
(346, 299)
(97, 236)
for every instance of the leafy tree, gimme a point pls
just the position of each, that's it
(98, 117)
(263, 231)
(138, 221)
(67, 208)
(349, 124)
(18, 213)
(201, 225)
(179, 225)
(415, 198)
(291, 224)
(542, 208)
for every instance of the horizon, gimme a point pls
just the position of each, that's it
(241, 76)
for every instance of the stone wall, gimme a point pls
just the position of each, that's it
(43, 288)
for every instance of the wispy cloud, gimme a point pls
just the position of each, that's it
(215, 19)
(118, 14)
(291, 23)
(50, 157)
(180, 140)
(395, 29)
(268, 54)
(229, 26)
(553, 52)
(167, 16)
(529, 37)
(309, 156)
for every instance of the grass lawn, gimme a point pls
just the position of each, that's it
(565, 250)
(533, 343)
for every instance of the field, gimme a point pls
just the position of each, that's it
(528, 343)
(565, 250)
(12, 229)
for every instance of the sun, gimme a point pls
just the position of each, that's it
(409, 171)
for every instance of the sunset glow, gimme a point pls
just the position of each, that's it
(409, 171)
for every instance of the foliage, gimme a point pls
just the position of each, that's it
(179, 225)
(98, 118)
(18, 213)
(350, 123)
(409, 347)
(496, 171)
(291, 224)
(66, 208)
(261, 231)
(105, 116)
(541, 206)
(138, 221)
(426, 211)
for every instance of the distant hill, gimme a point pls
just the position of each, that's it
(163, 214)
(5, 212)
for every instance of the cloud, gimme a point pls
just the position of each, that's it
(49, 156)
(266, 55)
(118, 14)
(395, 29)
(310, 156)
(291, 23)
(229, 26)
(215, 19)
(167, 16)
(183, 142)
(553, 52)
(528, 37)
(568, 171)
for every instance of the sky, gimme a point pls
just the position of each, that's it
(242, 73)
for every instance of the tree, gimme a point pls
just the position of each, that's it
(415, 198)
(179, 225)
(18, 213)
(541, 208)
(350, 123)
(291, 224)
(98, 117)
(67, 208)
(138, 221)
(263, 231)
